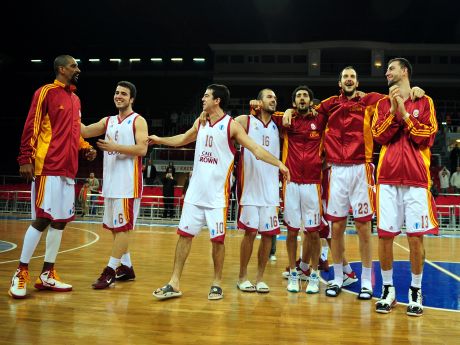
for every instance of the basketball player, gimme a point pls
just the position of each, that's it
(406, 129)
(302, 154)
(258, 191)
(124, 145)
(349, 147)
(49, 158)
(207, 196)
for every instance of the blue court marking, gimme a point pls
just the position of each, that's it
(6, 246)
(439, 289)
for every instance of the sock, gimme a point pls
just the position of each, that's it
(47, 266)
(416, 281)
(31, 239)
(338, 274)
(324, 252)
(366, 277)
(114, 263)
(347, 269)
(126, 260)
(304, 266)
(387, 277)
(53, 242)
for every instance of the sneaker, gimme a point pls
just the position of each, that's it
(49, 280)
(123, 273)
(415, 307)
(293, 282)
(272, 258)
(387, 301)
(106, 279)
(349, 278)
(18, 288)
(323, 265)
(313, 284)
(303, 275)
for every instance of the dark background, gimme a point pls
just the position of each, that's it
(101, 29)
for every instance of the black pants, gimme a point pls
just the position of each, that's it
(168, 211)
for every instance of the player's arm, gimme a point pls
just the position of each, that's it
(243, 121)
(384, 122)
(237, 132)
(30, 134)
(138, 149)
(177, 140)
(422, 129)
(93, 130)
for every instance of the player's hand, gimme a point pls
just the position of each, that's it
(255, 104)
(416, 92)
(90, 154)
(153, 139)
(287, 118)
(285, 171)
(27, 171)
(393, 93)
(203, 118)
(107, 145)
(360, 94)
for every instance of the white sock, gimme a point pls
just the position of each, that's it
(114, 262)
(304, 266)
(338, 274)
(347, 269)
(126, 260)
(31, 239)
(387, 277)
(53, 242)
(366, 277)
(324, 252)
(416, 281)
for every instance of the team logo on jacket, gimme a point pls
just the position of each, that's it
(416, 112)
(313, 126)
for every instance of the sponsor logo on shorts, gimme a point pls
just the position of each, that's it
(213, 232)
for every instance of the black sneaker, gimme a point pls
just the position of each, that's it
(123, 273)
(106, 279)
(387, 301)
(415, 307)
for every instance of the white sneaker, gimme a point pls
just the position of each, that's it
(415, 307)
(313, 284)
(387, 301)
(293, 282)
(49, 280)
(272, 258)
(18, 288)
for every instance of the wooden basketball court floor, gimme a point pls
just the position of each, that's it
(128, 313)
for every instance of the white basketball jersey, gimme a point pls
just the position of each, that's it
(122, 173)
(258, 181)
(213, 165)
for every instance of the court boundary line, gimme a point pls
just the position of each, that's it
(63, 251)
(14, 246)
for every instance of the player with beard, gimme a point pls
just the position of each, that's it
(258, 190)
(49, 158)
(124, 145)
(207, 197)
(302, 154)
(348, 145)
(406, 129)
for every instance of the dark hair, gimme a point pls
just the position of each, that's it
(220, 91)
(61, 61)
(403, 63)
(347, 67)
(130, 86)
(261, 93)
(302, 87)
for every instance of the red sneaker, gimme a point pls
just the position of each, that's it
(123, 273)
(106, 279)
